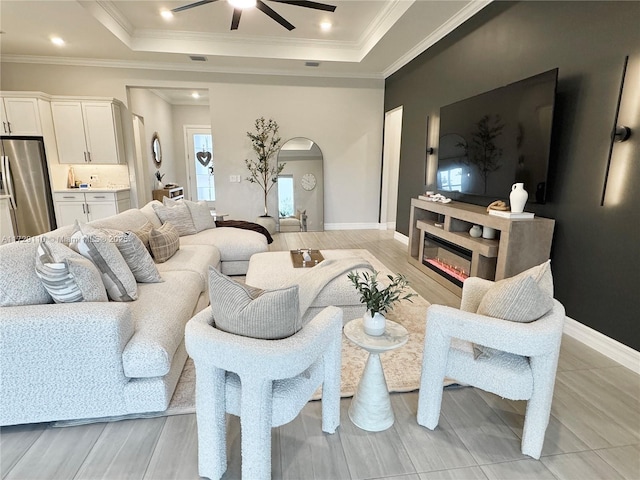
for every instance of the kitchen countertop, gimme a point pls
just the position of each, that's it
(92, 189)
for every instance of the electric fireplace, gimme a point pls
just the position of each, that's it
(451, 261)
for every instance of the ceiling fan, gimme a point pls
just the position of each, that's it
(239, 5)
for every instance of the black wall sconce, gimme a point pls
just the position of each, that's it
(621, 133)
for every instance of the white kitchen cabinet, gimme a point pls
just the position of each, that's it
(20, 116)
(88, 132)
(87, 206)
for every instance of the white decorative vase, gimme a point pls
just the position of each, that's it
(518, 197)
(488, 232)
(475, 231)
(374, 326)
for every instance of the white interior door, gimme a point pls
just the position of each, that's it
(200, 164)
(390, 168)
(139, 175)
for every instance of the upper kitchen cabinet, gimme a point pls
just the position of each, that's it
(20, 116)
(88, 131)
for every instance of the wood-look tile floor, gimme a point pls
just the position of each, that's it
(594, 431)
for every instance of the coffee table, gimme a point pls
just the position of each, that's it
(268, 270)
(371, 406)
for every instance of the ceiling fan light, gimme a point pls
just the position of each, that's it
(242, 3)
(166, 14)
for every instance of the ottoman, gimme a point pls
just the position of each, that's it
(274, 269)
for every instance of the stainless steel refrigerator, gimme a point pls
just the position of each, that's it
(25, 178)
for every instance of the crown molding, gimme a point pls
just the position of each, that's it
(464, 14)
(182, 67)
(382, 24)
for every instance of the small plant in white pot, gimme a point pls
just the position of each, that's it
(378, 298)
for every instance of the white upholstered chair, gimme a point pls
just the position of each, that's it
(264, 382)
(524, 368)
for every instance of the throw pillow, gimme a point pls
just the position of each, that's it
(67, 275)
(164, 242)
(179, 217)
(542, 275)
(143, 233)
(19, 284)
(518, 299)
(251, 312)
(200, 213)
(93, 244)
(138, 258)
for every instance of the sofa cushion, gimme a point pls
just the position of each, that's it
(542, 275)
(67, 275)
(95, 245)
(179, 216)
(143, 234)
(150, 213)
(19, 284)
(137, 257)
(200, 212)
(233, 243)
(193, 258)
(252, 312)
(160, 315)
(164, 242)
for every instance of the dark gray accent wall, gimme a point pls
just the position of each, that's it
(596, 249)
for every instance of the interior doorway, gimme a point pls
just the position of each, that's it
(390, 168)
(200, 164)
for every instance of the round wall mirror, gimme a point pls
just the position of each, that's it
(301, 187)
(156, 150)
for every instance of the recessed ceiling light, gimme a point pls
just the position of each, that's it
(242, 3)
(57, 41)
(325, 26)
(166, 14)
(195, 95)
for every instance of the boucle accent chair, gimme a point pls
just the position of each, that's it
(264, 382)
(523, 366)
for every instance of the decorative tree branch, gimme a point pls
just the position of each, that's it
(266, 144)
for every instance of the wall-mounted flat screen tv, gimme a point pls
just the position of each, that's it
(495, 139)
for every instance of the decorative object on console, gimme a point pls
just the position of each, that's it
(518, 197)
(512, 215)
(159, 176)
(475, 231)
(378, 300)
(488, 233)
(434, 197)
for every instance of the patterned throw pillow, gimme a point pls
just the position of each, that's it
(179, 217)
(143, 233)
(137, 257)
(200, 213)
(251, 312)
(67, 275)
(164, 242)
(95, 245)
(19, 284)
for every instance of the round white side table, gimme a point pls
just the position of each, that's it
(371, 406)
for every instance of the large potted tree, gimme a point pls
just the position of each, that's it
(265, 169)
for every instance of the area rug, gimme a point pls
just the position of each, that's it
(401, 366)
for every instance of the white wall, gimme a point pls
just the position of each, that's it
(345, 116)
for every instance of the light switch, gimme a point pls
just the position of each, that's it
(234, 178)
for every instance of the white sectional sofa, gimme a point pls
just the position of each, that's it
(97, 359)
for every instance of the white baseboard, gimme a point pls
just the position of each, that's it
(402, 238)
(352, 226)
(387, 226)
(619, 352)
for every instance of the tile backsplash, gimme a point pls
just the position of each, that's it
(107, 175)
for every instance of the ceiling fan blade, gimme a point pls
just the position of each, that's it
(260, 5)
(308, 4)
(235, 20)
(191, 5)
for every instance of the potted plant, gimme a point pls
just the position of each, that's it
(263, 171)
(159, 177)
(378, 299)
